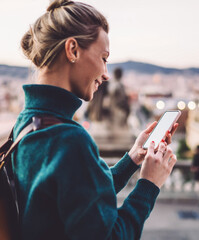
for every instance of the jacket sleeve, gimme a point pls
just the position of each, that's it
(122, 171)
(86, 198)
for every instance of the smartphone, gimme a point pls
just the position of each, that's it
(164, 124)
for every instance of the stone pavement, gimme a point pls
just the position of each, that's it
(170, 235)
(166, 222)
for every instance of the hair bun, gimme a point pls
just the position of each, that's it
(57, 4)
(45, 40)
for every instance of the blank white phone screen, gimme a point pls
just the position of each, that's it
(162, 126)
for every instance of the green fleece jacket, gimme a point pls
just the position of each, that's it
(65, 190)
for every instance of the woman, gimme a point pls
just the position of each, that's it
(65, 190)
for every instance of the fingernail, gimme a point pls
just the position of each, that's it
(162, 140)
(153, 142)
(168, 132)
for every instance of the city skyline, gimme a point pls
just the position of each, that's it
(157, 32)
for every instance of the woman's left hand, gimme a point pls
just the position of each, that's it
(137, 153)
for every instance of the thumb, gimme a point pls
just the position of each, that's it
(150, 127)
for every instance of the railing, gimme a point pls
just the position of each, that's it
(179, 186)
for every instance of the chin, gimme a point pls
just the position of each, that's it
(87, 98)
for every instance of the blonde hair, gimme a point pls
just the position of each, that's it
(43, 42)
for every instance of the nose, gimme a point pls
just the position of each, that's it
(105, 76)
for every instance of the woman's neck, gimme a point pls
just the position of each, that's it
(56, 76)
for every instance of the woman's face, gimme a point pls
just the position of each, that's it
(90, 68)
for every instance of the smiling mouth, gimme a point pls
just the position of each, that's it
(97, 84)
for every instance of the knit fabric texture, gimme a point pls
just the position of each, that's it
(65, 190)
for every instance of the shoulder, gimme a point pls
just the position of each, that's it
(70, 134)
(74, 131)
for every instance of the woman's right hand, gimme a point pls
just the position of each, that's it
(157, 165)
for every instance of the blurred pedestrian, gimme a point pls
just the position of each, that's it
(97, 109)
(119, 102)
(195, 165)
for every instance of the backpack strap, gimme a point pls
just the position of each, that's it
(9, 216)
(38, 122)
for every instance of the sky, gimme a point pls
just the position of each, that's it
(162, 32)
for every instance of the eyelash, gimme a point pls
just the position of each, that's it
(104, 59)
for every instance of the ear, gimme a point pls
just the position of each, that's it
(71, 49)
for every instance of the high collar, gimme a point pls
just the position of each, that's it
(51, 98)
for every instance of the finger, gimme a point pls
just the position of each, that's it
(142, 152)
(161, 150)
(162, 146)
(168, 138)
(174, 128)
(172, 161)
(150, 127)
(151, 148)
(159, 154)
(168, 154)
(163, 141)
(169, 134)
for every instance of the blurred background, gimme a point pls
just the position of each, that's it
(154, 67)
